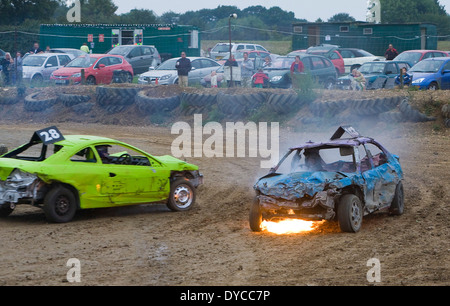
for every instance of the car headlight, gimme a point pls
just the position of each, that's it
(76, 75)
(276, 78)
(420, 80)
(165, 77)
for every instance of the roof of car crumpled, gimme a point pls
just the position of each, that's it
(334, 143)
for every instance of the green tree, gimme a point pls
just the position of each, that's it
(15, 12)
(341, 17)
(138, 16)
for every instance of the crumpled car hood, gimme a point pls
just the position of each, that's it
(298, 184)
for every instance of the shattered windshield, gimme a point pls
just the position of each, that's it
(330, 159)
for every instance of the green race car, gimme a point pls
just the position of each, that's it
(62, 174)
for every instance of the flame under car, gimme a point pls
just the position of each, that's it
(343, 179)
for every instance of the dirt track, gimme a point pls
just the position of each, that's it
(212, 243)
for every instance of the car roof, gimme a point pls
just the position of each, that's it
(47, 54)
(334, 143)
(83, 140)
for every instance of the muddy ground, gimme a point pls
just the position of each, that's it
(212, 243)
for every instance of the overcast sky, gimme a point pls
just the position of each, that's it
(309, 10)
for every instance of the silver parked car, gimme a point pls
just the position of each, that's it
(167, 74)
(141, 58)
(37, 68)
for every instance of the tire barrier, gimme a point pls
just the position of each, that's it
(3, 149)
(148, 105)
(391, 117)
(240, 105)
(446, 111)
(283, 103)
(34, 104)
(83, 107)
(72, 99)
(372, 107)
(107, 96)
(9, 100)
(197, 103)
(412, 115)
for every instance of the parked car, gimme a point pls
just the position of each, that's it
(141, 58)
(376, 74)
(98, 69)
(321, 68)
(74, 52)
(415, 56)
(167, 74)
(256, 56)
(62, 174)
(38, 68)
(431, 73)
(342, 178)
(333, 55)
(221, 49)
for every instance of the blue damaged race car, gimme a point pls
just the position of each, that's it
(343, 179)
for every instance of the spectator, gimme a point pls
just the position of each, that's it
(267, 62)
(230, 63)
(297, 68)
(259, 78)
(183, 66)
(84, 48)
(390, 53)
(6, 64)
(213, 79)
(406, 78)
(247, 68)
(47, 49)
(35, 49)
(17, 70)
(358, 80)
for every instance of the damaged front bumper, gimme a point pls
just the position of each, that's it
(21, 187)
(319, 207)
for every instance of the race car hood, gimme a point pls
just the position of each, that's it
(296, 185)
(176, 164)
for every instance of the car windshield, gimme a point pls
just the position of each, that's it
(221, 48)
(427, 66)
(34, 61)
(168, 65)
(412, 57)
(282, 63)
(120, 50)
(364, 53)
(372, 68)
(329, 159)
(82, 62)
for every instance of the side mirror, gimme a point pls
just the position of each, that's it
(151, 68)
(101, 66)
(193, 68)
(48, 65)
(445, 71)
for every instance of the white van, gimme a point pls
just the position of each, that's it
(221, 49)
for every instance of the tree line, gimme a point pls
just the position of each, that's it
(253, 23)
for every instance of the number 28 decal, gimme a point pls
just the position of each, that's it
(49, 135)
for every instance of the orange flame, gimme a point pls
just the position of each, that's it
(289, 226)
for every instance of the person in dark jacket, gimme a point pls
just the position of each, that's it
(183, 66)
(6, 64)
(403, 76)
(390, 53)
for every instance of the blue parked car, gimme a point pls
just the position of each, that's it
(432, 73)
(378, 74)
(343, 178)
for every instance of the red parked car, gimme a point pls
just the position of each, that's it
(333, 55)
(98, 69)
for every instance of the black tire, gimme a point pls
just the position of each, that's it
(255, 216)
(398, 203)
(182, 195)
(284, 103)
(107, 96)
(447, 122)
(91, 80)
(71, 99)
(148, 105)
(433, 86)
(60, 205)
(83, 108)
(350, 213)
(413, 115)
(446, 111)
(5, 210)
(33, 104)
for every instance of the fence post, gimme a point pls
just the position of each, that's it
(83, 81)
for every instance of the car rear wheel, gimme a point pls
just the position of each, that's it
(60, 205)
(350, 213)
(91, 80)
(5, 210)
(182, 195)
(397, 205)
(255, 216)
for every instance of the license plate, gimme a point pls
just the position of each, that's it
(60, 81)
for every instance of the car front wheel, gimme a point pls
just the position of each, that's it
(350, 213)
(60, 205)
(255, 216)
(397, 204)
(182, 195)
